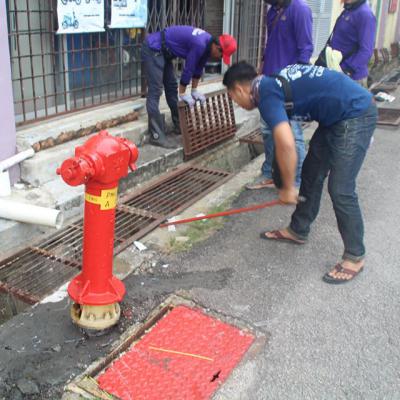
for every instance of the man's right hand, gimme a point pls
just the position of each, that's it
(289, 196)
(188, 99)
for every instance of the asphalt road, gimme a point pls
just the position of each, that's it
(324, 342)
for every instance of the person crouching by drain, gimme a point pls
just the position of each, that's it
(196, 47)
(347, 117)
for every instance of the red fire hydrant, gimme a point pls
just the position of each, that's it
(99, 164)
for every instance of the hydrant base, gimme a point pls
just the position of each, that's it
(95, 317)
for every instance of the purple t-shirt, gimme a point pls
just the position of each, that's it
(289, 37)
(187, 42)
(355, 33)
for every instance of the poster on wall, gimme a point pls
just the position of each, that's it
(393, 6)
(80, 16)
(128, 13)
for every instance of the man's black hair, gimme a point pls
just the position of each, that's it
(239, 73)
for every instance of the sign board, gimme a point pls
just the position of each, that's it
(128, 13)
(80, 16)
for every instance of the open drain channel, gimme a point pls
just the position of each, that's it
(36, 271)
(254, 137)
(389, 116)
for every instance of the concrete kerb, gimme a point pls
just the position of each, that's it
(224, 195)
(53, 128)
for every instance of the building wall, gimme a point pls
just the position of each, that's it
(8, 134)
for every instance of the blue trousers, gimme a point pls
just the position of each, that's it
(269, 149)
(337, 151)
(160, 74)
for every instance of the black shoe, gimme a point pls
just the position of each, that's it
(175, 131)
(165, 143)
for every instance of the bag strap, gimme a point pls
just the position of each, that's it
(287, 91)
(277, 18)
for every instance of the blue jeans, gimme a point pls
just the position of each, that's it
(338, 150)
(269, 149)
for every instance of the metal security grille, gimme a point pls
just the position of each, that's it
(249, 30)
(389, 116)
(206, 125)
(38, 270)
(55, 74)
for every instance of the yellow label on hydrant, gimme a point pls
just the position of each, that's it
(107, 200)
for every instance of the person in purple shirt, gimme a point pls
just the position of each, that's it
(196, 47)
(354, 36)
(289, 27)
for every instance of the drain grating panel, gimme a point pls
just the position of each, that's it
(383, 87)
(389, 116)
(206, 125)
(254, 137)
(178, 190)
(186, 355)
(38, 270)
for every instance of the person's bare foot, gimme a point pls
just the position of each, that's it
(282, 235)
(349, 265)
(344, 272)
(261, 183)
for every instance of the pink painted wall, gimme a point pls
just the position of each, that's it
(382, 25)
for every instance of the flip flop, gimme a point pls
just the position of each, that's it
(339, 268)
(280, 238)
(264, 184)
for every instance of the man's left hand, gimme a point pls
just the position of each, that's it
(289, 196)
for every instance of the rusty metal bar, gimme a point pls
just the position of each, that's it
(254, 137)
(204, 126)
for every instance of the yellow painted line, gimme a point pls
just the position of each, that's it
(181, 354)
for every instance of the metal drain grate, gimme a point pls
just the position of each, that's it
(389, 116)
(383, 87)
(254, 137)
(38, 270)
(206, 125)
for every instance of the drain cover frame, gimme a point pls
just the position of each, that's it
(59, 254)
(204, 126)
(254, 137)
(388, 116)
(86, 381)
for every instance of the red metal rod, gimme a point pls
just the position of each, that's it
(224, 213)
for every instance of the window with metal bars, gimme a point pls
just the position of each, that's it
(249, 30)
(56, 74)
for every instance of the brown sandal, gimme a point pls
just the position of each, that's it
(278, 237)
(265, 184)
(340, 269)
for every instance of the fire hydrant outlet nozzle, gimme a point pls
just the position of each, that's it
(99, 164)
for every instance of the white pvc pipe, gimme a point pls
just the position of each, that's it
(29, 214)
(16, 159)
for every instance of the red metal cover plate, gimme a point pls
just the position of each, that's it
(186, 356)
